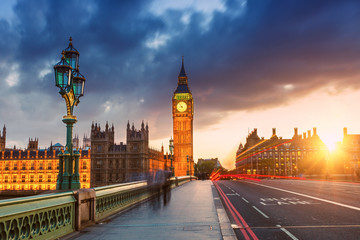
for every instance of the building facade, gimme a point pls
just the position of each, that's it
(36, 169)
(86, 142)
(302, 154)
(115, 163)
(76, 142)
(183, 114)
(348, 161)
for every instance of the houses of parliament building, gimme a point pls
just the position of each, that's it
(33, 168)
(115, 163)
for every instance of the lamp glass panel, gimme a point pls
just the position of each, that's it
(72, 59)
(62, 78)
(78, 87)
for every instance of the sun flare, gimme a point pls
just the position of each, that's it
(331, 142)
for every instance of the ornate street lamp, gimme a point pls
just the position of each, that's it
(71, 84)
(171, 147)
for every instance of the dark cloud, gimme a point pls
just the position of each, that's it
(258, 56)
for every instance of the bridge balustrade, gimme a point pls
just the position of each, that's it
(47, 216)
(51, 216)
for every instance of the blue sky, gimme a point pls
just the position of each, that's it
(242, 57)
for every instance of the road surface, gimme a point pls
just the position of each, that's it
(292, 209)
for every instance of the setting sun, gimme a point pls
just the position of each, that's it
(331, 142)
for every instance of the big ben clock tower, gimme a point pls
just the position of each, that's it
(183, 114)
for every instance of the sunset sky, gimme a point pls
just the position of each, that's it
(251, 64)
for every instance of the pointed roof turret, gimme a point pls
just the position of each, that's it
(182, 71)
(182, 80)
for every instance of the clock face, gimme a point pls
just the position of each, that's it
(181, 106)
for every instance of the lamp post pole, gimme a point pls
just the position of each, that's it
(71, 84)
(171, 147)
(187, 166)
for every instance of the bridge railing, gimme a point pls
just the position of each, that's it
(47, 216)
(50, 216)
(114, 198)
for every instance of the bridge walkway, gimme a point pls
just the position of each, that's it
(191, 211)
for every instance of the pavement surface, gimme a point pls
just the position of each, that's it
(192, 211)
(292, 209)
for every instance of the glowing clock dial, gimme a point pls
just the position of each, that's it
(181, 106)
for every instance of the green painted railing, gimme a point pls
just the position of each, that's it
(51, 216)
(114, 198)
(47, 216)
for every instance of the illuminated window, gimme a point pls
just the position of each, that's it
(84, 165)
(6, 166)
(49, 165)
(40, 178)
(32, 166)
(6, 179)
(14, 178)
(22, 178)
(84, 178)
(49, 178)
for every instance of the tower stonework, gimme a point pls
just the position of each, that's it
(183, 114)
(33, 144)
(3, 139)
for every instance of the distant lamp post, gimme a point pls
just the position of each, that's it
(71, 84)
(171, 148)
(187, 169)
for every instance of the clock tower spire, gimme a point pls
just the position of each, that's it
(183, 114)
